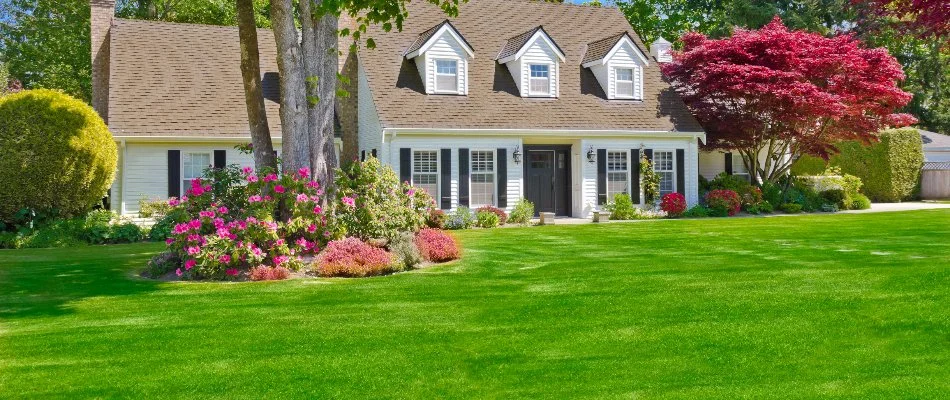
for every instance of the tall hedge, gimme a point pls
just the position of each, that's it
(889, 169)
(57, 154)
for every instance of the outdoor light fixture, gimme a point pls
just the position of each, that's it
(591, 156)
(516, 155)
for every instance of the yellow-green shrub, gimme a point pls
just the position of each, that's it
(57, 154)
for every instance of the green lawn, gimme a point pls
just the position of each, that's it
(792, 307)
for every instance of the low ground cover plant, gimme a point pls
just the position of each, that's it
(487, 219)
(96, 227)
(462, 218)
(437, 246)
(351, 257)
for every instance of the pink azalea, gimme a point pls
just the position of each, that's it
(313, 184)
(279, 189)
(303, 172)
(268, 198)
(194, 250)
(302, 198)
(194, 238)
(184, 199)
(317, 210)
(173, 202)
(247, 170)
(223, 210)
(254, 199)
(349, 201)
(270, 178)
(206, 214)
(232, 272)
(181, 228)
(312, 228)
(252, 178)
(280, 260)
(302, 243)
(190, 264)
(224, 258)
(169, 241)
(178, 271)
(207, 188)
(411, 192)
(195, 224)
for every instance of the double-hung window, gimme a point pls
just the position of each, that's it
(618, 174)
(624, 80)
(446, 76)
(539, 82)
(738, 167)
(482, 178)
(193, 166)
(663, 166)
(425, 171)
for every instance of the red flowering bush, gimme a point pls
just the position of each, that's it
(355, 258)
(723, 202)
(265, 273)
(502, 217)
(436, 245)
(674, 204)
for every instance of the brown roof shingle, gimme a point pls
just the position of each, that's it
(170, 79)
(493, 101)
(598, 49)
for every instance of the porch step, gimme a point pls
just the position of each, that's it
(547, 218)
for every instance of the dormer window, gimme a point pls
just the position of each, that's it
(617, 62)
(442, 57)
(446, 76)
(540, 80)
(533, 59)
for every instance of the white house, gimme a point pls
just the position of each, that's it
(512, 99)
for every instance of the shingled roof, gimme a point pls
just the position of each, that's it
(493, 101)
(597, 50)
(170, 79)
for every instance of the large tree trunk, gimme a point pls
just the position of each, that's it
(293, 101)
(253, 94)
(322, 146)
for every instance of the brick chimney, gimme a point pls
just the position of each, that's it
(102, 12)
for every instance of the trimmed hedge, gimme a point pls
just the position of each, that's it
(889, 169)
(58, 154)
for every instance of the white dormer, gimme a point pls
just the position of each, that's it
(442, 57)
(534, 60)
(660, 50)
(618, 65)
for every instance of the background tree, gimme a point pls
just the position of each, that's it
(208, 12)
(786, 92)
(263, 147)
(924, 18)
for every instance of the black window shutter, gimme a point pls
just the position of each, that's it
(220, 158)
(373, 152)
(174, 173)
(463, 177)
(502, 178)
(405, 164)
(649, 154)
(362, 155)
(680, 167)
(728, 163)
(446, 171)
(602, 176)
(635, 175)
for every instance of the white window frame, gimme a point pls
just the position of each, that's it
(436, 74)
(737, 163)
(672, 170)
(184, 187)
(438, 171)
(494, 173)
(549, 92)
(633, 82)
(626, 172)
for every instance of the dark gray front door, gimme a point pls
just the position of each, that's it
(547, 178)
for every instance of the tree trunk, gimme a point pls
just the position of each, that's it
(293, 101)
(253, 93)
(323, 154)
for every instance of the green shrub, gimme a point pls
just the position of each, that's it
(697, 211)
(404, 251)
(126, 233)
(860, 202)
(462, 218)
(487, 219)
(649, 181)
(153, 208)
(502, 217)
(57, 154)
(808, 165)
(97, 227)
(161, 264)
(436, 219)
(791, 208)
(834, 197)
(889, 169)
(766, 207)
(522, 213)
(163, 227)
(380, 206)
(621, 208)
(62, 233)
(772, 193)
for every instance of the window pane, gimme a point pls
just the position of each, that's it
(617, 173)
(446, 66)
(625, 74)
(482, 190)
(540, 86)
(425, 171)
(539, 71)
(447, 83)
(624, 89)
(738, 167)
(663, 165)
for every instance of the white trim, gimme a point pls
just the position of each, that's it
(540, 34)
(436, 74)
(633, 83)
(613, 50)
(445, 28)
(125, 163)
(494, 173)
(572, 133)
(197, 139)
(532, 93)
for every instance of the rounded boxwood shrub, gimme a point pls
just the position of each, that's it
(57, 154)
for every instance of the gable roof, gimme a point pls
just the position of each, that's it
(933, 140)
(171, 79)
(493, 100)
(516, 44)
(426, 37)
(600, 49)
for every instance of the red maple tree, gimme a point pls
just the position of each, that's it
(773, 94)
(925, 18)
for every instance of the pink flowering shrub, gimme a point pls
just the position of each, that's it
(502, 216)
(265, 273)
(723, 202)
(354, 258)
(373, 204)
(674, 204)
(437, 245)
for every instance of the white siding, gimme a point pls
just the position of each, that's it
(537, 52)
(370, 131)
(588, 172)
(711, 163)
(445, 47)
(146, 169)
(624, 57)
(515, 171)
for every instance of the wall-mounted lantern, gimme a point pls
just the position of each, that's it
(516, 155)
(591, 156)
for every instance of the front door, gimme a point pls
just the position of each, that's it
(547, 178)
